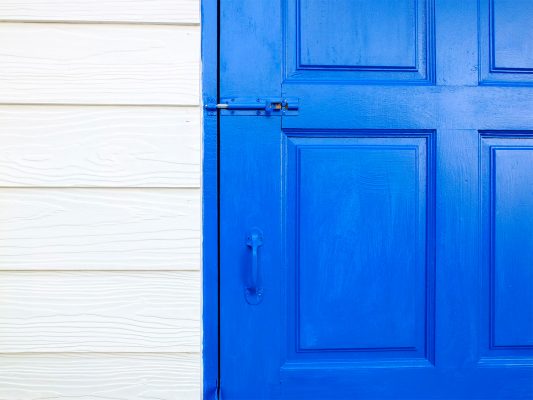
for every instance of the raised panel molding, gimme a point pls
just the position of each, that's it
(507, 165)
(506, 42)
(324, 43)
(401, 177)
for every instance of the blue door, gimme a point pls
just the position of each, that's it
(376, 199)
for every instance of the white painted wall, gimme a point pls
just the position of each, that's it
(100, 202)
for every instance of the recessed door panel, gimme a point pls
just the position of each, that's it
(351, 37)
(506, 41)
(359, 251)
(508, 206)
(344, 40)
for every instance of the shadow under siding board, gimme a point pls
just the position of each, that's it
(99, 64)
(100, 376)
(102, 311)
(100, 229)
(154, 11)
(117, 146)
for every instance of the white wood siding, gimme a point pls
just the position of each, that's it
(99, 229)
(59, 311)
(67, 376)
(99, 146)
(99, 64)
(140, 11)
(100, 201)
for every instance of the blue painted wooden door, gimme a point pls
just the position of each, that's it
(378, 242)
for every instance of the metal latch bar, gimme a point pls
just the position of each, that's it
(258, 106)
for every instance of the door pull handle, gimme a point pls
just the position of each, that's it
(254, 291)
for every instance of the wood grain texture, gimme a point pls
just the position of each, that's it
(100, 376)
(100, 229)
(154, 11)
(99, 311)
(99, 146)
(99, 64)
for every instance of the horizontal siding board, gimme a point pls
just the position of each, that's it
(99, 64)
(100, 376)
(99, 229)
(124, 146)
(60, 311)
(153, 11)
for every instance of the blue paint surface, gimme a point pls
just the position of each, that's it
(395, 207)
(210, 270)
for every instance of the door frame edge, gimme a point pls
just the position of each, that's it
(210, 200)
